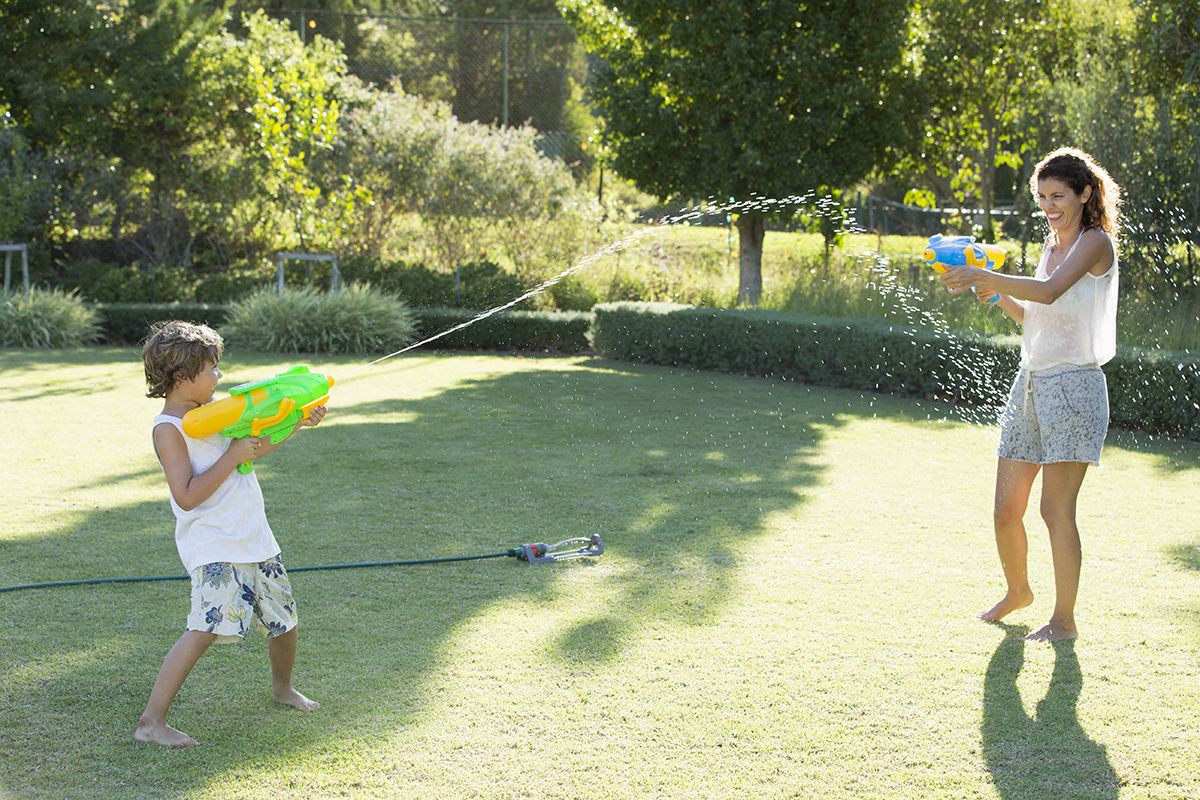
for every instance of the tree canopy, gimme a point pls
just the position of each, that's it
(735, 99)
(981, 77)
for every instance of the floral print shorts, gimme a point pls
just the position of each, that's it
(226, 598)
(1056, 414)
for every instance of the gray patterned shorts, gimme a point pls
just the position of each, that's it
(228, 598)
(1056, 414)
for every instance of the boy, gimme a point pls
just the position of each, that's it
(221, 528)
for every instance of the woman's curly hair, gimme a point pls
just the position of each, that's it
(1077, 169)
(177, 351)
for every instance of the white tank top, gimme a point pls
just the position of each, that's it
(231, 525)
(1080, 327)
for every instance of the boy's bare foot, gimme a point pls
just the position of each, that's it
(1053, 631)
(1011, 602)
(163, 734)
(290, 697)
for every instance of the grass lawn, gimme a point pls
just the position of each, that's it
(783, 609)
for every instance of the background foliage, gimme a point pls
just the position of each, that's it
(167, 150)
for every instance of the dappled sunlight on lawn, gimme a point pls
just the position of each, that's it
(783, 606)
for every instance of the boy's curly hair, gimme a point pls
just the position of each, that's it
(176, 351)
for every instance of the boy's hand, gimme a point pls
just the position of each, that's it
(246, 449)
(314, 418)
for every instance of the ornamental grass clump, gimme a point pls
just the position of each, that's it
(357, 320)
(47, 318)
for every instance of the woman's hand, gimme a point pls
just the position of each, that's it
(960, 278)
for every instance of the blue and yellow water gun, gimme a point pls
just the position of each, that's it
(945, 252)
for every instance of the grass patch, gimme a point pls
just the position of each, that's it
(783, 608)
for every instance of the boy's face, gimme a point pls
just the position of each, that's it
(200, 388)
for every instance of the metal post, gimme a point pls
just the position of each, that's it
(506, 74)
(303, 34)
(9, 249)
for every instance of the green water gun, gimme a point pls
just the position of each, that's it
(270, 407)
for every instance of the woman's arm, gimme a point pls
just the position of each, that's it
(1094, 254)
(1014, 308)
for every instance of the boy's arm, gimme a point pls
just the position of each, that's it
(188, 489)
(314, 418)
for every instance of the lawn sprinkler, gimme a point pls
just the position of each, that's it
(541, 553)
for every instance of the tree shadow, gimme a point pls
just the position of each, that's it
(1048, 754)
(676, 470)
(1186, 556)
(1170, 455)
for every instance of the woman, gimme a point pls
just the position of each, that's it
(1057, 414)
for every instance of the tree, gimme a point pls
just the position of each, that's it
(739, 99)
(981, 73)
(1169, 40)
(99, 92)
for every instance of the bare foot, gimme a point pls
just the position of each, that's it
(1054, 631)
(1011, 602)
(163, 734)
(290, 697)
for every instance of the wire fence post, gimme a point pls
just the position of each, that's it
(506, 74)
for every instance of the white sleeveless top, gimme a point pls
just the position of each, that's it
(231, 525)
(1080, 327)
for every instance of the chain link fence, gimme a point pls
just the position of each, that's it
(498, 72)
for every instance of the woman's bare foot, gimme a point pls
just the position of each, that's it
(290, 697)
(1053, 631)
(163, 734)
(1011, 602)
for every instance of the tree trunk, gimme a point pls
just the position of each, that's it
(987, 175)
(751, 229)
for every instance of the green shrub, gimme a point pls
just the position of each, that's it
(101, 282)
(1157, 390)
(480, 284)
(357, 320)
(47, 318)
(128, 323)
(241, 279)
(1151, 391)
(507, 330)
(572, 293)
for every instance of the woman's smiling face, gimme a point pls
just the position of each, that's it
(1063, 208)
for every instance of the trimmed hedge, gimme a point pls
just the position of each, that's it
(1157, 392)
(563, 331)
(129, 323)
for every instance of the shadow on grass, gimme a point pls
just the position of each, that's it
(675, 470)
(1186, 556)
(1048, 754)
(1170, 455)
